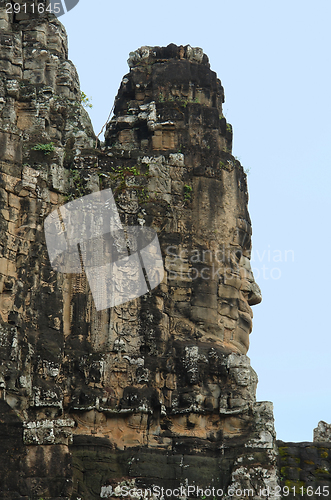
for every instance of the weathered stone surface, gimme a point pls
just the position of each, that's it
(157, 391)
(322, 433)
(305, 469)
(48, 431)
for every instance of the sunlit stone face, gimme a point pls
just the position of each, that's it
(168, 114)
(209, 274)
(157, 368)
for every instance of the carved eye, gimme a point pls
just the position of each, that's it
(238, 255)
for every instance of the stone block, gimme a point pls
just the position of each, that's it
(159, 185)
(176, 159)
(322, 433)
(7, 267)
(8, 182)
(3, 198)
(169, 139)
(204, 314)
(30, 177)
(228, 292)
(10, 214)
(232, 279)
(14, 201)
(4, 20)
(11, 147)
(157, 140)
(177, 173)
(204, 300)
(229, 323)
(229, 309)
(126, 137)
(180, 293)
(177, 187)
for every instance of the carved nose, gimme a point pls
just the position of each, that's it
(254, 295)
(252, 289)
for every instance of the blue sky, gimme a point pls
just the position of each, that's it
(273, 59)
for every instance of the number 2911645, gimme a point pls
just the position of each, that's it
(32, 8)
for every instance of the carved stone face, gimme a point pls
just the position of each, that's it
(171, 101)
(157, 373)
(209, 280)
(167, 158)
(222, 226)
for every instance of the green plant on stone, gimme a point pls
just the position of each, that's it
(126, 171)
(78, 189)
(121, 173)
(85, 101)
(143, 196)
(45, 148)
(226, 165)
(229, 128)
(133, 170)
(187, 192)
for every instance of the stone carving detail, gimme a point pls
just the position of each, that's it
(322, 433)
(166, 375)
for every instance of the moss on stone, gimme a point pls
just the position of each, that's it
(294, 484)
(323, 472)
(283, 451)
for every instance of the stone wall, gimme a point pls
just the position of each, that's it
(158, 391)
(305, 469)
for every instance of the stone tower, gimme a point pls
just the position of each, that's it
(157, 392)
